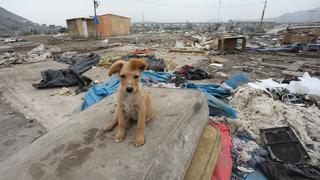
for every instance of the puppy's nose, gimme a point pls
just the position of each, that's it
(129, 89)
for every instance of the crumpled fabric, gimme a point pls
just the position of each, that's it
(70, 76)
(192, 73)
(214, 91)
(280, 171)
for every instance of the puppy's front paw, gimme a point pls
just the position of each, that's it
(139, 141)
(108, 127)
(117, 140)
(119, 136)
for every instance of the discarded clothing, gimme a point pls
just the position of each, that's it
(192, 73)
(237, 80)
(98, 92)
(216, 106)
(246, 153)
(279, 171)
(223, 167)
(219, 108)
(155, 77)
(155, 64)
(70, 76)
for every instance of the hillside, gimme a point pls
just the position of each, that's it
(12, 24)
(299, 16)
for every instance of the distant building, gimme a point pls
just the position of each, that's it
(113, 25)
(109, 25)
(81, 27)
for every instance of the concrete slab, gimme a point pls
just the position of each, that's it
(78, 149)
(16, 131)
(46, 105)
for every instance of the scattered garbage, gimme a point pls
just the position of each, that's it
(8, 59)
(38, 54)
(65, 92)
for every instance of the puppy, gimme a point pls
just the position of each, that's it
(133, 102)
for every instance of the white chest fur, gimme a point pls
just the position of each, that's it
(129, 107)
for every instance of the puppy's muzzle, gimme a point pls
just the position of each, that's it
(129, 89)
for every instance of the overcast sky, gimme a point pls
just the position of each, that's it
(57, 11)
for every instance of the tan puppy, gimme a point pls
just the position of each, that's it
(134, 103)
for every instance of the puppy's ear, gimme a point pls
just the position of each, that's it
(116, 67)
(138, 64)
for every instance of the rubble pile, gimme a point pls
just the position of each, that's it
(257, 110)
(38, 54)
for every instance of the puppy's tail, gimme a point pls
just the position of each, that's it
(111, 125)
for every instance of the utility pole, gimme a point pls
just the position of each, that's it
(218, 19)
(264, 9)
(95, 18)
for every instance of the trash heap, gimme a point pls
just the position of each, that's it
(276, 134)
(38, 54)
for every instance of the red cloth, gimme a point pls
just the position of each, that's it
(223, 168)
(183, 69)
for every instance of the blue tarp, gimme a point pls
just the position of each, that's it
(98, 92)
(214, 91)
(96, 20)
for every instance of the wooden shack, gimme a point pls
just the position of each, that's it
(81, 27)
(113, 25)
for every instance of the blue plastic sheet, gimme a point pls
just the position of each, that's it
(98, 92)
(214, 91)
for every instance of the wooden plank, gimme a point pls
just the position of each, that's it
(217, 59)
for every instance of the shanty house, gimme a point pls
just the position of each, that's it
(113, 25)
(81, 27)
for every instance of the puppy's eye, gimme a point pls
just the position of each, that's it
(136, 76)
(122, 76)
